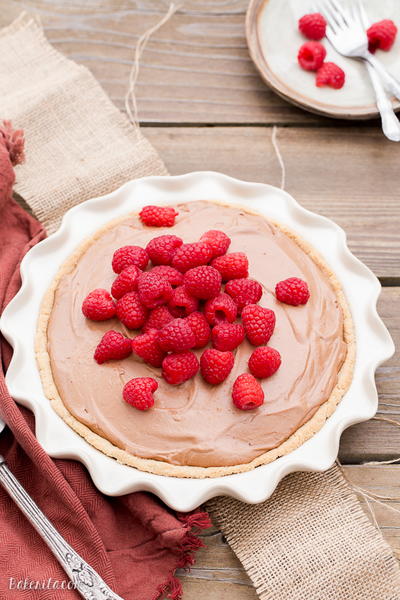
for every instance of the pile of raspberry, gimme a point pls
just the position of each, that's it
(311, 55)
(182, 297)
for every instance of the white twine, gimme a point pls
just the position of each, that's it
(130, 98)
(274, 139)
(367, 495)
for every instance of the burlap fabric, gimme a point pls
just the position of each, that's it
(79, 144)
(311, 540)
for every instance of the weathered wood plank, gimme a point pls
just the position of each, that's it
(218, 574)
(196, 69)
(348, 175)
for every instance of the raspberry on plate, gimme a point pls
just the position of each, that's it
(176, 336)
(158, 317)
(200, 328)
(177, 368)
(146, 346)
(247, 392)
(227, 336)
(153, 290)
(244, 291)
(112, 346)
(311, 56)
(125, 282)
(182, 303)
(129, 255)
(161, 249)
(174, 277)
(313, 26)
(130, 311)
(264, 361)
(215, 365)
(138, 392)
(158, 216)
(218, 240)
(231, 266)
(330, 74)
(258, 323)
(98, 306)
(191, 255)
(381, 35)
(203, 282)
(292, 291)
(220, 308)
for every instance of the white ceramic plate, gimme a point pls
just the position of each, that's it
(274, 41)
(38, 268)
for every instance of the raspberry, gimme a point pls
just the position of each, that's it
(125, 282)
(215, 365)
(258, 323)
(177, 368)
(182, 303)
(129, 255)
(130, 311)
(381, 35)
(244, 291)
(176, 336)
(313, 26)
(174, 277)
(138, 392)
(292, 291)
(200, 328)
(311, 56)
(227, 336)
(247, 393)
(98, 306)
(158, 216)
(218, 240)
(221, 308)
(112, 346)
(146, 346)
(158, 317)
(203, 282)
(191, 255)
(161, 249)
(264, 361)
(153, 290)
(330, 74)
(231, 266)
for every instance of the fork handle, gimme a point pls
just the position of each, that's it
(390, 122)
(389, 82)
(85, 580)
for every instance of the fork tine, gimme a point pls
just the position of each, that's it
(325, 10)
(337, 12)
(362, 13)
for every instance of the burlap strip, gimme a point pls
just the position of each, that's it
(311, 540)
(79, 145)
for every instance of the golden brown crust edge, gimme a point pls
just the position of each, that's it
(304, 433)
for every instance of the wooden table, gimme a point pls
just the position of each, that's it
(203, 106)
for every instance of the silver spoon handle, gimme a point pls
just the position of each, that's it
(390, 122)
(85, 580)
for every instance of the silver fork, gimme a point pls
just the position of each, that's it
(390, 122)
(348, 36)
(85, 579)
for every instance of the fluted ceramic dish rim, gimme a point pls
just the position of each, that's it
(19, 321)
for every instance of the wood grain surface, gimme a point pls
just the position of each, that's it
(204, 106)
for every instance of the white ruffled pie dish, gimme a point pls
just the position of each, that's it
(19, 323)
